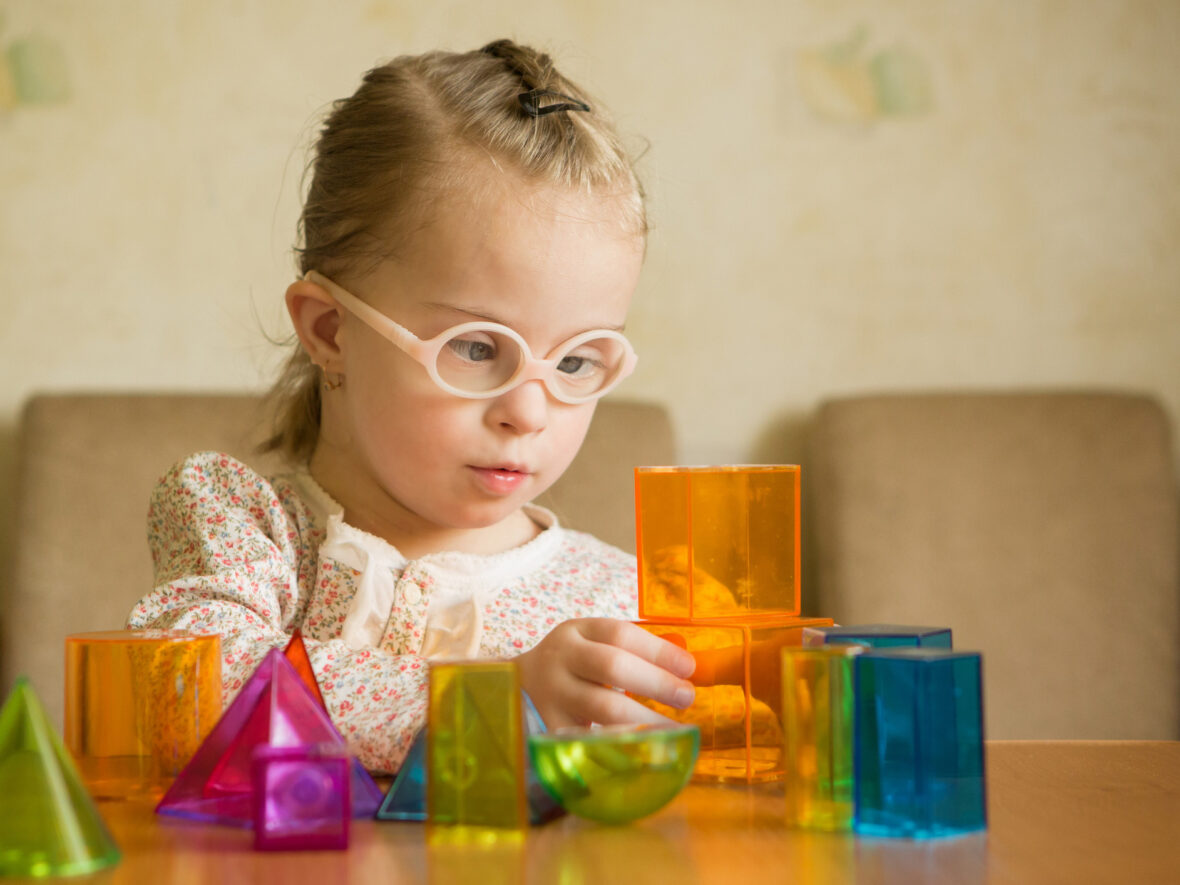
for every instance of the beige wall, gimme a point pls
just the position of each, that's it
(846, 195)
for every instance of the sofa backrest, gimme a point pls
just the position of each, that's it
(1041, 527)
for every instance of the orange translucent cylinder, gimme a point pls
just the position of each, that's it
(739, 698)
(718, 542)
(138, 704)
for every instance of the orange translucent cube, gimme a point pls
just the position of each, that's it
(738, 705)
(718, 542)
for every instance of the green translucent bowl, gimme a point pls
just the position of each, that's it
(615, 774)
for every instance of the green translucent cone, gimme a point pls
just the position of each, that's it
(50, 824)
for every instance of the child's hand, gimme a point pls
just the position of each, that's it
(573, 673)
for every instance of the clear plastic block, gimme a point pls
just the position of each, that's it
(880, 635)
(475, 747)
(717, 542)
(302, 798)
(739, 698)
(138, 704)
(817, 721)
(919, 751)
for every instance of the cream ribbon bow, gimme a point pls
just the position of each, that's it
(454, 631)
(364, 625)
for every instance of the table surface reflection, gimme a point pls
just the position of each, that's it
(1058, 812)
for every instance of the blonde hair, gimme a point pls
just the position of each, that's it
(387, 152)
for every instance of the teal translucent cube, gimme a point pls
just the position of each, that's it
(880, 636)
(918, 743)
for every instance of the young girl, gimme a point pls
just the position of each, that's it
(472, 237)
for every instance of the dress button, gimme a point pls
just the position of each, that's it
(413, 595)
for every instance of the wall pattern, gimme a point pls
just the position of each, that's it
(847, 81)
(32, 72)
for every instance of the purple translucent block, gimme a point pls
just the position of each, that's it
(273, 709)
(301, 797)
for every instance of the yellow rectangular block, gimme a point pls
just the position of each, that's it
(475, 769)
(817, 706)
(739, 701)
(718, 542)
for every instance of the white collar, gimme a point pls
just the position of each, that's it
(453, 622)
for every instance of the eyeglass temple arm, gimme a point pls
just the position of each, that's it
(381, 324)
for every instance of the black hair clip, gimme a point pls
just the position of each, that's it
(530, 103)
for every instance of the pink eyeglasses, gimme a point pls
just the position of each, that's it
(480, 360)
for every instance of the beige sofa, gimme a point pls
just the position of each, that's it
(1041, 527)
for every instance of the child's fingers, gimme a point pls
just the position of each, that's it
(609, 707)
(617, 667)
(636, 640)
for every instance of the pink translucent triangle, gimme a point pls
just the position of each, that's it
(276, 708)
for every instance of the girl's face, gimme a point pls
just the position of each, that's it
(417, 465)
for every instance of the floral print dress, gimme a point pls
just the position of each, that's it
(253, 558)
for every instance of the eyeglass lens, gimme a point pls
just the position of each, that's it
(479, 360)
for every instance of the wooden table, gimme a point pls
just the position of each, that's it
(1069, 812)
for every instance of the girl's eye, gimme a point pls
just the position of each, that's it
(576, 367)
(474, 350)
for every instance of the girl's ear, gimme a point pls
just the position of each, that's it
(316, 317)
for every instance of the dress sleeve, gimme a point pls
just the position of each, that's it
(231, 559)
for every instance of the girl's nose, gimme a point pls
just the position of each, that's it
(524, 409)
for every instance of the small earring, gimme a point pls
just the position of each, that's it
(329, 384)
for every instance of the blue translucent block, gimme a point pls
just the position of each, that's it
(918, 744)
(880, 635)
(406, 799)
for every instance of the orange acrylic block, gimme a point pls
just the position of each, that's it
(138, 704)
(738, 705)
(717, 542)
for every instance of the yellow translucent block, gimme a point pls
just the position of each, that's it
(717, 542)
(739, 700)
(475, 768)
(817, 719)
(138, 704)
